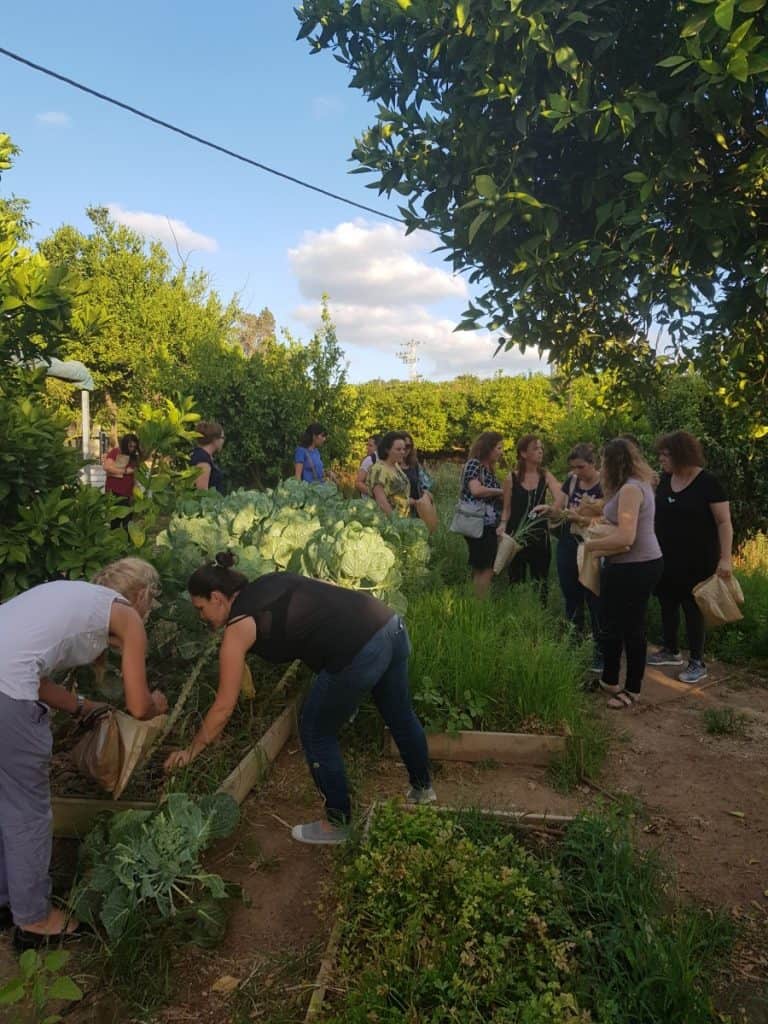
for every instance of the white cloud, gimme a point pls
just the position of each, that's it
(358, 263)
(380, 293)
(165, 229)
(54, 117)
(326, 106)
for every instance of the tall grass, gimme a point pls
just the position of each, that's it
(494, 664)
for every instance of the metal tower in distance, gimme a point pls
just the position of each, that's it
(407, 354)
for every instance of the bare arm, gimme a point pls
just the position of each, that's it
(360, 484)
(721, 510)
(238, 639)
(380, 498)
(477, 490)
(111, 468)
(203, 481)
(125, 623)
(622, 537)
(555, 490)
(506, 508)
(298, 470)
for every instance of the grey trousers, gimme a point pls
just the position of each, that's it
(25, 808)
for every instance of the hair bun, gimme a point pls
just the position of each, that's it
(225, 559)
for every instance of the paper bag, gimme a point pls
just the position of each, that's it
(110, 753)
(505, 552)
(718, 600)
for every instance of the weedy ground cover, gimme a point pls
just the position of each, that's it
(725, 722)
(455, 919)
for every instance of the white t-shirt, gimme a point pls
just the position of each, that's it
(366, 464)
(52, 627)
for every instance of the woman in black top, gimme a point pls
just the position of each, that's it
(354, 643)
(524, 490)
(212, 441)
(693, 526)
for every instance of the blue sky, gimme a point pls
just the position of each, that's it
(237, 75)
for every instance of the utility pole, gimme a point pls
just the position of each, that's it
(407, 354)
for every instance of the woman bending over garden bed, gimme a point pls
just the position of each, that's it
(47, 629)
(354, 643)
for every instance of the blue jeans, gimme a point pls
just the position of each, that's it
(574, 594)
(380, 669)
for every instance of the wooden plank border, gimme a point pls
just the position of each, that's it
(505, 747)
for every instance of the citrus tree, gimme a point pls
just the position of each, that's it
(597, 167)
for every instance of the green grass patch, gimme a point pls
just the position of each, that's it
(498, 664)
(725, 722)
(456, 919)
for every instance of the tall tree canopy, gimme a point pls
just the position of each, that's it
(600, 165)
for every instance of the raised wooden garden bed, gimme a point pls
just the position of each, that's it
(73, 815)
(513, 819)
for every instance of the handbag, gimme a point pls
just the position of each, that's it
(468, 519)
(718, 600)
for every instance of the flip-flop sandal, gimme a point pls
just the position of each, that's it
(24, 940)
(621, 700)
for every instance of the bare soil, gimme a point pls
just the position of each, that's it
(702, 800)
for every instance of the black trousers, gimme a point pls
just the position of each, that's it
(625, 590)
(694, 622)
(532, 561)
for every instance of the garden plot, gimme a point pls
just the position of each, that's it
(457, 917)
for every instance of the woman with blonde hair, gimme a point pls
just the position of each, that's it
(632, 567)
(47, 629)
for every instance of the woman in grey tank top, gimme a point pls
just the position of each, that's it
(632, 567)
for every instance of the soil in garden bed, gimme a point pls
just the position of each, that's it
(248, 724)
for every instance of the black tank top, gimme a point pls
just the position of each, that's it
(523, 503)
(296, 617)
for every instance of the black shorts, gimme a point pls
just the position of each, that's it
(482, 550)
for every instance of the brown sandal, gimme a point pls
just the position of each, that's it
(622, 700)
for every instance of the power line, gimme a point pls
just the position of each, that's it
(195, 138)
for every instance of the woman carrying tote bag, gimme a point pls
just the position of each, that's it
(480, 490)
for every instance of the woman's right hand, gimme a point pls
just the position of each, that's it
(160, 702)
(501, 529)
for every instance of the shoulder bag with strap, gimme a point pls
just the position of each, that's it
(468, 517)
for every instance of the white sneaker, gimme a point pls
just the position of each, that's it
(420, 796)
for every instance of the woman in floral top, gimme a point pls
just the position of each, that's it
(480, 486)
(387, 483)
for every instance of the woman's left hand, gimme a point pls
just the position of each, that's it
(178, 759)
(724, 569)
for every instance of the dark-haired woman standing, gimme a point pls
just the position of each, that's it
(632, 567)
(525, 489)
(387, 483)
(307, 463)
(693, 524)
(209, 475)
(120, 465)
(479, 486)
(354, 643)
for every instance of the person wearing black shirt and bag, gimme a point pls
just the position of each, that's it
(693, 526)
(354, 643)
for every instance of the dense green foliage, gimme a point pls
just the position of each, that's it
(599, 165)
(452, 919)
(49, 526)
